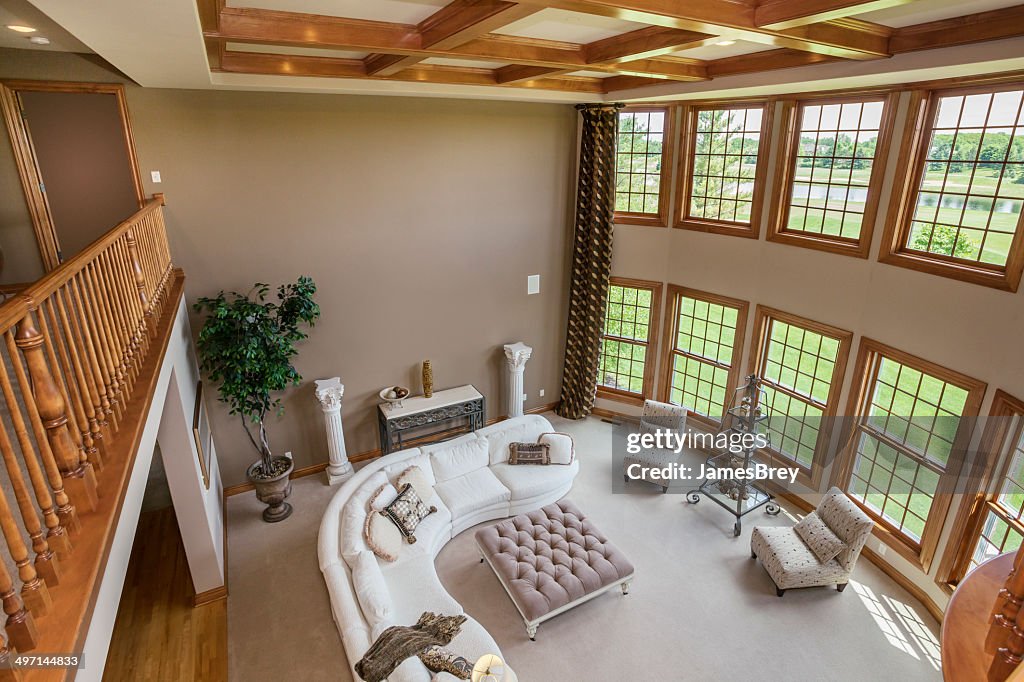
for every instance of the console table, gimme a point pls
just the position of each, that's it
(420, 418)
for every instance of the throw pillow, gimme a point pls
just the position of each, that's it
(528, 453)
(382, 497)
(419, 481)
(382, 536)
(562, 448)
(438, 659)
(406, 512)
(371, 590)
(819, 538)
(399, 642)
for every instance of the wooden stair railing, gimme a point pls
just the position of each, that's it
(75, 345)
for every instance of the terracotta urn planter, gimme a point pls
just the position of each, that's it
(274, 489)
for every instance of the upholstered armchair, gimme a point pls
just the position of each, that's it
(657, 416)
(793, 556)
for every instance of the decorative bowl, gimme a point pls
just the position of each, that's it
(394, 402)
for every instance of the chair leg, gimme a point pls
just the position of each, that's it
(752, 554)
(841, 586)
(779, 591)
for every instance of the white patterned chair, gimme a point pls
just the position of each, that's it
(790, 561)
(657, 416)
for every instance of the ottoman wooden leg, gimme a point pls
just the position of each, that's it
(779, 591)
(841, 586)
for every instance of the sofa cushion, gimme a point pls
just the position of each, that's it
(371, 590)
(459, 459)
(419, 480)
(437, 524)
(819, 538)
(353, 518)
(520, 429)
(476, 490)
(561, 448)
(415, 588)
(420, 459)
(526, 482)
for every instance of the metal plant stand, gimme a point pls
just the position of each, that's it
(739, 496)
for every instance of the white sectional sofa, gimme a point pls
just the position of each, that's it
(473, 482)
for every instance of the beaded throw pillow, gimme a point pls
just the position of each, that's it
(825, 544)
(438, 659)
(406, 511)
(529, 453)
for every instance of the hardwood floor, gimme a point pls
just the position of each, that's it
(158, 634)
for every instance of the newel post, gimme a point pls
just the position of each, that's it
(79, 477)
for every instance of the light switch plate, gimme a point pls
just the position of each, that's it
(532, 284)
(542, 393)
(155, 175)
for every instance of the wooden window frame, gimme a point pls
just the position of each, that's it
(650, 358)
(675, 293)
(763, 316)
(865, 374)
(687, 145)
(785, 171)
(920, 120)
(25, 156)
(990, 472)
(659, 219)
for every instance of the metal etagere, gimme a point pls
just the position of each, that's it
(739, 497)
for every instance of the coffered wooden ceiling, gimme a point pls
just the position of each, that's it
(583, 46)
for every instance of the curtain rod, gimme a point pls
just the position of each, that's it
(601, 105)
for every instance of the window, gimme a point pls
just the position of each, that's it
(959, 211)
(701, 362)
(906, 448)
(802, 364)
(723, 174)
(993, 524)
(626, 369)
(643, 166)
(835, 154)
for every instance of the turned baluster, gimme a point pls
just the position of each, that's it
(97, 301)
(57, 521)
(72, 484)
(87, 452)
(140, 277)
(90, 365)
(109, 323)
(20, 626)
(139, 336)
(120, 309)
(95, 346)
(125, 290)
(1011, 619)
(34, 592)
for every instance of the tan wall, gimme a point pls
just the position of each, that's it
(17, 239)
(972, 329)
(419, 219)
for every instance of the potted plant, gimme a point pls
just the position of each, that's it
(247, 344)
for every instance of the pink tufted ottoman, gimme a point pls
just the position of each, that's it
(551, 560)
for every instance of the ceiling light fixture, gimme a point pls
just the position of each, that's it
(21, 29)
(39, 40)
(725, 43)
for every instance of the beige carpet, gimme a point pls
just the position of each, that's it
(699, 608)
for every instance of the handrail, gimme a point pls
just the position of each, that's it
(76, 348)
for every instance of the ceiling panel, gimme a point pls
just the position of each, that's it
(303, 51)
(21, 13)
(923, 11)
(556, 24)
(397, 11)
(592, 74)
(740, 47)
(468, 63)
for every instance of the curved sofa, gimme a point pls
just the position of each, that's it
(369, 595)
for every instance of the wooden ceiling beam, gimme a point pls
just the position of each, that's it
(517, 73)
(996, 24)
(771, 60)
(779, 15)
(618, 83)
(644, 43)
(260, 63)
(733, 19)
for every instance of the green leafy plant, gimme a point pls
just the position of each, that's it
(944, 240)
(247, 344)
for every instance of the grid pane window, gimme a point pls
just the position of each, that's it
(971, 192)
(904, 444)
(798, 366)
(726, 145)
(638, 159)
(624, 344)
(835, 154)
(705, 338)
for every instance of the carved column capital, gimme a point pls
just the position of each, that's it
(329, 393)
(516, 355)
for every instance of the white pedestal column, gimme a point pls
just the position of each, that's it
(516, 355)
(328, 393)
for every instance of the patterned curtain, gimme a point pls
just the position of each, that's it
(591, 261)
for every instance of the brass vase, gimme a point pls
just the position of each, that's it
(428, 379)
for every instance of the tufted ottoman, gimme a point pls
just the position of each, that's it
(551, 560)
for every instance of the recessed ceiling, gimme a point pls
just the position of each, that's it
(22, 13)
(290, 49)
(395, 11)
(923, 11)
(567, 27)
(467, 63)
(709, 52)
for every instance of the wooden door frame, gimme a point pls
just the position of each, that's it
(25, 156)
